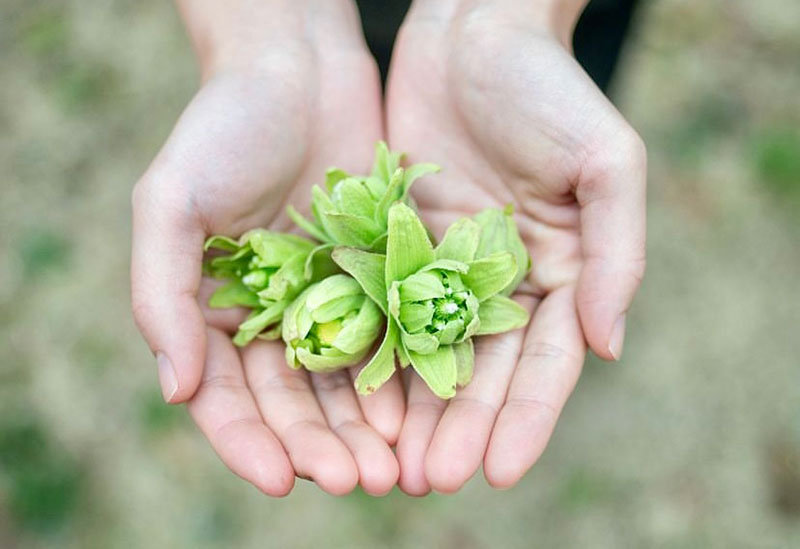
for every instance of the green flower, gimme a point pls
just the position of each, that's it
(354, 212)
(436, 300)
(332, 324)
(266, 270)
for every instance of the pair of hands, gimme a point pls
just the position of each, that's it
(488, 90)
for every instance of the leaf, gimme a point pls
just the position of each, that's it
(465, 362)
(325, 364)
(499, 233)
(438, 370)
(337, 308)
(489, 275)
(306, 225)
(319, 263)
(421, 286)
(390, 195)
(368, 269)
(233, 294)
(352, 197)
(415, 316)
(381, 366)
(333, 176)
(333, 287)
(273, 249)
(451, 331)
(460, 242)
(359, 333)
(422, 343)
(386, 162)
(221, 242)
(257, 321)
(351, 230)
(287, 281)
(446, 265)
(407, 248)
(412, 173)
(501, 314)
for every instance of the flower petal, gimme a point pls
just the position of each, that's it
(233, 294)
(407, 248)
(489, 275)
(460, 242)
(311, 228)
(501, 314)
(359, 333)
(465, 362)
(381, 366)
(367, 268)
(421, 286)
(422, 343)
(438, 370)
(333, 287)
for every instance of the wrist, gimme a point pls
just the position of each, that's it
(246, 34)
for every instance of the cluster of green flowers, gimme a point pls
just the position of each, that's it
(373, 264)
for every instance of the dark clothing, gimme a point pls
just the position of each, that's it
(598, 40)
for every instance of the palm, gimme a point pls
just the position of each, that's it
(510, 120)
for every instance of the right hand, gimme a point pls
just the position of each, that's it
(287, 91)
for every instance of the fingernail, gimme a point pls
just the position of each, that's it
(166, 376)
(617, 337)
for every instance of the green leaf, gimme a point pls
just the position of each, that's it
(414, 172)
(499, 234)
(319, 263)
(331, 288)
(352, 197)
(465, 362)
(233, 294)
(422, 343)
(407, 248)
(390, 195)
(381, 367)
(324, 364)
(287, 281)
(257, 321)
(451, 331)
(368, 269)
(221, 242)
(415, 316)
(460, 242)
(438, 370)
(359, 333)
(337, 308)
(351, 230)
(501, 314)
(446, 265)
(306, 225)
(489, 275)
(386, 162)
(333, 176)
(421, 286)
(273, 249)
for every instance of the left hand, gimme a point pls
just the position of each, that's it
(491, 91)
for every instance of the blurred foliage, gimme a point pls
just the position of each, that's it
(777, 161)
(42, 481)
(43, 250)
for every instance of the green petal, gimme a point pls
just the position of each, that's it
(446, 265)
(381, 367)
(359, 333)
(333, 287)
(379, 244)
(451, 331)
(501, 314)
(499, 234)
(421, 286)
(376, 187)
(352, 197)
(423, 343)
(414, 172)
(489, 275)
(337, 308)
(438, 370)
(273, 249)
(333, 176)
(221, 242)
(390, 195)
(402, 357)
(407, 248)
(287, 281)
(460, 242)
(415, 316)
(309, 227)
(351, 230)
(233, 294)
(324, 364)
(257, 321)
(386, 162)
(465, 362)
(297, 320)
(319, 263)
(368, 269)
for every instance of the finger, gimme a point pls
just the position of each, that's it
(612, 198)
(466, 424)
(226, 413)
(422, 415)
(377, 467)
(548, 368)
(165, 275)
(384, 409)
(227, 319)
(290, 408)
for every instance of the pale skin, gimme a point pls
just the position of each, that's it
(488, 90)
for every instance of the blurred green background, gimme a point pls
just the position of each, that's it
(692, 441)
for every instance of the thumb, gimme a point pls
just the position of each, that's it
(611, 194)
(166, 259)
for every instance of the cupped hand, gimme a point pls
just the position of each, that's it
(283, 97)
(490, 91)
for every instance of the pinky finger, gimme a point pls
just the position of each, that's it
(224, 410)
(548, 369)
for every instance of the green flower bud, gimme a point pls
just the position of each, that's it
(265, 270)
(499, 234)
(332, 324)
(354, 211)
